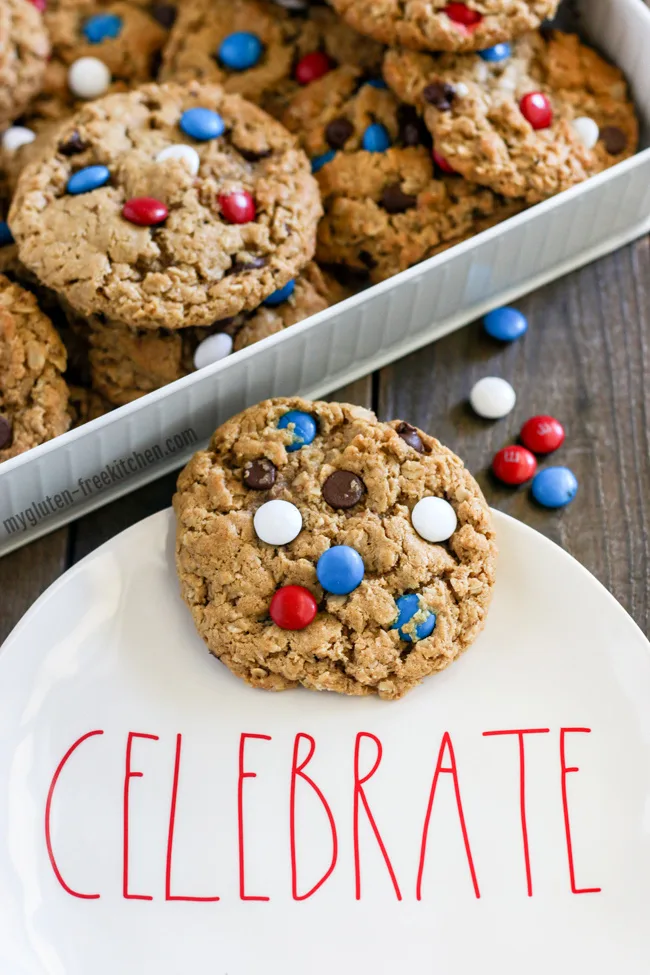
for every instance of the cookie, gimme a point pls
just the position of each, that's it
(24, 50)
(86, 405)
(33, 393)
(127, 363)
(259, 50)
(118, 223)
(438, 25)
(548, 114)
(299, 557)
(385, 207)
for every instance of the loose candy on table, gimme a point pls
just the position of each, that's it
(293, 608)
(542, 434)
(554, 487)
(202, 124)
(505, 324)
(87, 179)
(238, 207)
(434, 519)
(277, 522)
(212, 349)
(409, 606)
(88, 78)
(500, 52)
(102, 27)
(340, 570)
(586, 130)
(302, 426)
(514, 465)
(376, 138)
(536, 109)
(6, 236)
(186, 154)
(318, 162)
(492, 398)
(145, 211)
(312, 66)
(240, 51)
(16, 136)
(281, 295)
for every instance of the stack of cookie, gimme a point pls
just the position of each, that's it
(181, 180)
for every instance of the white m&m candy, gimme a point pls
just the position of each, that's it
(277, 522)
(186, 154)
(17, 136)
(210, 350)
(586, 130)
(492, 398)
(434, 519)
(88, 78)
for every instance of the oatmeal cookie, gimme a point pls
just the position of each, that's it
(24, 50)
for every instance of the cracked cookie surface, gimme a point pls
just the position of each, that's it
(228, 576)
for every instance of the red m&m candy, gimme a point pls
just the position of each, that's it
(542, 434)
(238, 207)
(311, 67)
(461, 14)
(442, 163)
(536, 109)
(514, 465)
(40, 5)
(145, 211)
(293, 608)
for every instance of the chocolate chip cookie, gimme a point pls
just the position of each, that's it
(168, 207)
(319, 547)
(438, 25)
(385, 207)
(548, 113)
(33, 393)
(24, 50)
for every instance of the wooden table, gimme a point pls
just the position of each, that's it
(585, 359)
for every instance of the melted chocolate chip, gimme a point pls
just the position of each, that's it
(440, 95)
(367, 259)
(614, 140)
(252, 155)
(5, 432)
(410, 436)
(73, 146)
(412, 131)
(164, 13)
(338, 132)
(343, 489)
(394, 200)
(238, 266)
(260, 474)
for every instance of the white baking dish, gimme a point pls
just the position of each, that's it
(67, 477)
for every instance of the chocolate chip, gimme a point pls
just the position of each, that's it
(343, 489)
(73, 146)
(238, 266)
(253, 155)
(367, 259)
(164, 13)
(338, 132)
(614, 139)
(5, 432)
(260, 474)
(410, 436)
(394, 200)
(412, 131)
(440, 95)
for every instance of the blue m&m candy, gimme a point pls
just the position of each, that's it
(376, 138)
(102, 27)
(87, 179)
(202, 124)
(318, 162)
(281, 295)
(497, 53)
(376, 83)
(240, 51)
(302, 425)
(407, 607)
(340, 570)
(554, 487)
(6, 236)
(505, 324)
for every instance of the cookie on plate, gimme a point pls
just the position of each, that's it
(167, 207)
(319, 547)
(33, 393)
(548, 113)
(24, 50)
(438, 25)
(126, 363)
(385, 207)
(259, 50)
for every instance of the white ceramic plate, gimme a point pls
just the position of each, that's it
(110, 650)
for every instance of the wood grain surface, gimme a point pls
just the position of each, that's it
(585, 359)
